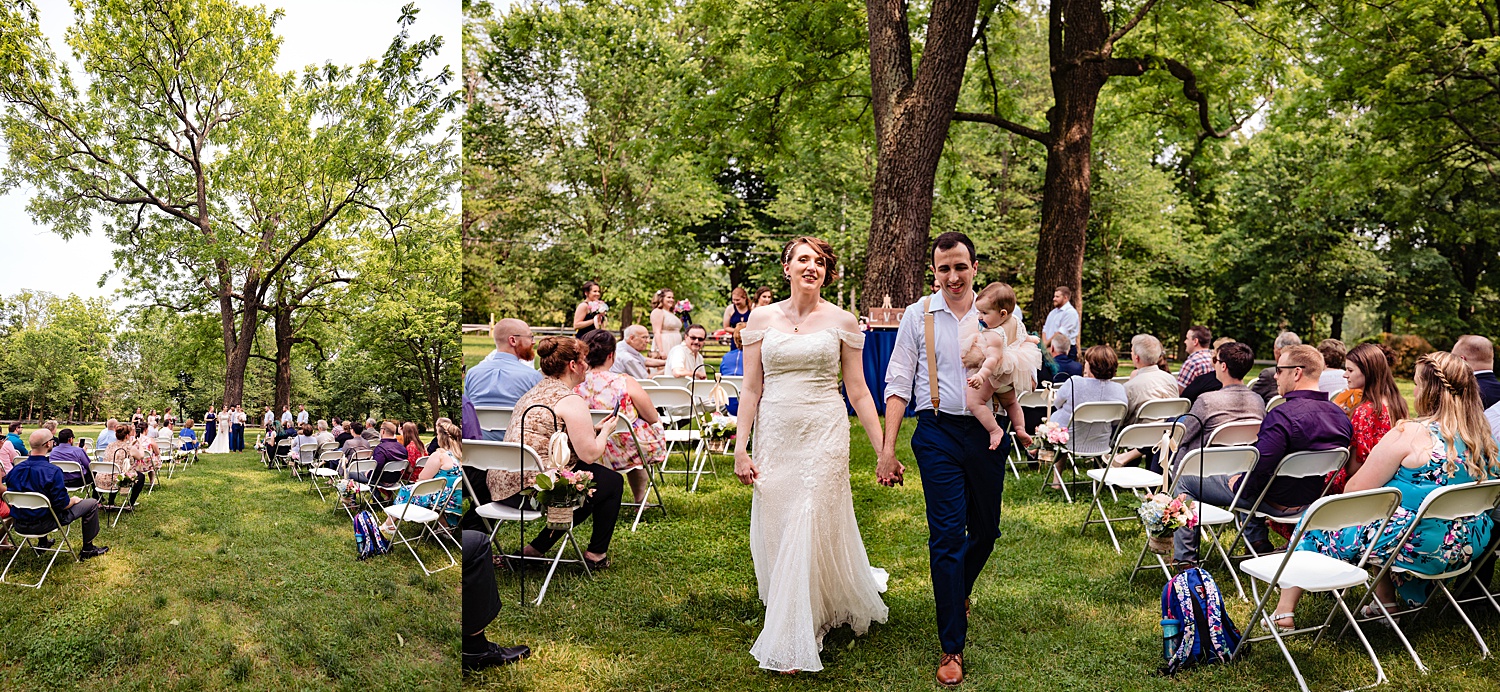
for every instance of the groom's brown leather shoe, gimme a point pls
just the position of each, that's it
(950, 670)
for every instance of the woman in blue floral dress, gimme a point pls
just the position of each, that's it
(1447, 444)
(446, 463)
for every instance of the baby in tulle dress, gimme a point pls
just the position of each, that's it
(1002, 359)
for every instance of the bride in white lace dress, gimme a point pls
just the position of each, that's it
(810, 562)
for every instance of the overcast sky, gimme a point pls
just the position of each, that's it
(346, 32)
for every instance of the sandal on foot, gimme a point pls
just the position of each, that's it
(1278, 617)
(1370, 610)
(597, 565)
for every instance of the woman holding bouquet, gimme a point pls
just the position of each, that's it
(564, 364)
(589, 315)
(810, 563)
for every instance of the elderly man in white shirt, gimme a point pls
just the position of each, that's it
(686, 358)
(629, 357)
(1148, 381)
(1063, 318)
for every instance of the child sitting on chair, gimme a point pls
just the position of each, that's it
(1003, 359)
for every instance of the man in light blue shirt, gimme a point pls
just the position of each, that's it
(107, 435)
(1063, 318)
(500, 379)
(962, 478)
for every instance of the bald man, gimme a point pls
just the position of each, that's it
(629, 353)
(38, 475)
(501, 378)
(1479, 353)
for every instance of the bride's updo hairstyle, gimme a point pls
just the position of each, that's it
(997, 296)
(555, 352)
(824, 251)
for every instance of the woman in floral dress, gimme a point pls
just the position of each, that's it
(1380, 406)
(1447, 444)
(601, 389)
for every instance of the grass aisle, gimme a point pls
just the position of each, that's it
(1052, 610)
(230, 576)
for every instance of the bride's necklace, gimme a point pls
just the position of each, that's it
(797, 325)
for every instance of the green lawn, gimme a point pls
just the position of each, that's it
(679, 611)
(229, 576)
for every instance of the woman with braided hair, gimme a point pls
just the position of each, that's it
(1447, 443)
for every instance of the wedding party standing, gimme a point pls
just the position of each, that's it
(811, 569)
(666, 327)
(962, 478)
(589, 314)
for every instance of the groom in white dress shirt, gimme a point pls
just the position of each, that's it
(962, 478)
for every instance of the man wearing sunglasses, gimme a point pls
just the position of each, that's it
(686, 358)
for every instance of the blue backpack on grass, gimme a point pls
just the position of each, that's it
(1192, 606)
(367, 536)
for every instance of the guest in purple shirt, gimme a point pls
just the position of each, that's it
(389, 449)
(1307, 421)
(67, 451)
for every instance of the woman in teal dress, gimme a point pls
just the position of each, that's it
(1447, 444)
(446, 463)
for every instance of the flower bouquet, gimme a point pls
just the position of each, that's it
(1050, 438)
(1161, 515)
(684, 308)
(718, 431)
(598, 306)
(559, 492)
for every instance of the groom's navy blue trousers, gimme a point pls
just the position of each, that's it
(962, 480)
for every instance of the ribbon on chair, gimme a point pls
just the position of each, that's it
(558, 450)
(717, 395)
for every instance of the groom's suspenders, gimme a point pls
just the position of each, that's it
(932, 371)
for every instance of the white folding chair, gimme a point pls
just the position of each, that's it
(84, 483)
(365, 467)
(1234, 434)
(389, 480)
(102, 467)
(1132, 478)
(323, 473)
(623, 426)
(1162, 409)
(1036, 398)
(494, 417)
(1274, 402)
(307, 456)
(1121, 379)
(646, 381)
(1456, 502)
(23, 500)
(677, 406)
(1315, 572)
(1109, 413)
(1197, 465)
(668, 381)
(1307, 464)
(412, 512)
(483, 456)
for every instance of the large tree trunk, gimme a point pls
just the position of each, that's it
(911, 125)
(1066, 195)
(238, 342)
(286, 337)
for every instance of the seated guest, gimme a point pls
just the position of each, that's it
(1200, 356)
(188, 436)
(1417, 458)
(15, 439)
(481, 605)
(445, 463)
(325, 437)
(1380, 406)
(1265, 385)
(500, 379)
(1096, 384)
(1232, 402)
(1332, 380)
(686, 358)
(564, 364)
(629, 354)
(347, 433)
(356, 441)
(602, 389)
(372, 432)
(107, 435)
(413, 443)
(1067, 366)
(1148, 382)
(165, 437)
(1479, 353)
(306, 436)
(733, 362)
(37, 475)
(129, 460)
(9, 455)
(67, 451)
(1307, 421)
(388, 450)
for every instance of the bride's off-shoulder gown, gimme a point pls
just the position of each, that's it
(810, 563)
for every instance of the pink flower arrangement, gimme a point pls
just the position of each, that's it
(598, 306)
(1161, 514)
(684, 305)
(582, 481)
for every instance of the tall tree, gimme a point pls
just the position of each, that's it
(211, 170)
